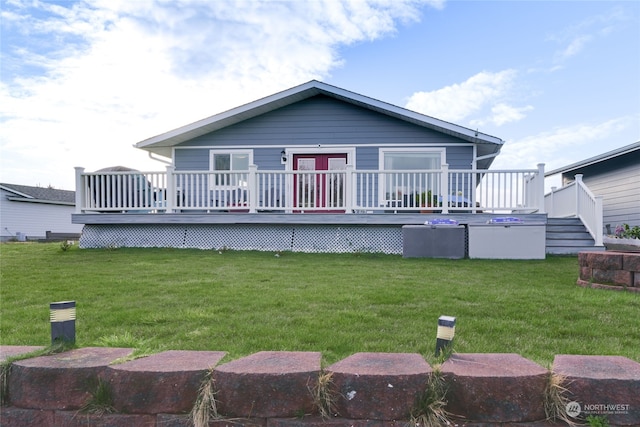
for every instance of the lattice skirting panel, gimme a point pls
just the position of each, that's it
(259, 237)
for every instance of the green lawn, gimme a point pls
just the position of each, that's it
(338, 304)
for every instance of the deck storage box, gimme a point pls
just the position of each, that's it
(507, 238)
(433, 241)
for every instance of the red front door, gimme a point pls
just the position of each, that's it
(319, 192)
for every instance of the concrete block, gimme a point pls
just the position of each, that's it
(605, 260)
(267, 384)
(333, 422)
(78, 419)
(583, 260)
(60, 381)
(10, 416)
(382, 386)
(166, 382)
(617, 277)
(184, 420)
(495, 387)
(585, 273)
(7, 351)
(631, 262)
(603, 385)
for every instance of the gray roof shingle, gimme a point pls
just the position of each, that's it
(41, 193)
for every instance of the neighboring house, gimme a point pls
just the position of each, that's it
(29, 212)
(614, 175)
(312, 168)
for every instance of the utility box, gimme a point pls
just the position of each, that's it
(433, 241)
(507, 238)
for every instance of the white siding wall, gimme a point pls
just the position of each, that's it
(34, 219)
(620, 190)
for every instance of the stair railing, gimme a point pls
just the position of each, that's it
(576, 200)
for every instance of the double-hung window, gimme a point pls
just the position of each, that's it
(410, 174)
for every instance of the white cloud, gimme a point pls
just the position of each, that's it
(576, 46)
(575, 38)
(84, 81)
(502, 113)
(459, 101)
(563, 146)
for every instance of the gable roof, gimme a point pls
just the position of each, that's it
(25, 193)
(161, 144)
(622, 151)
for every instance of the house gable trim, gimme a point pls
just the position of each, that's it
(161, 144)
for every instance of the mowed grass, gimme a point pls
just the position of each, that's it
(337, 304)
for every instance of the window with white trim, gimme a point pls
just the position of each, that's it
(235, 161)
(408, 184)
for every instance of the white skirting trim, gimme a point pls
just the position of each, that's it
(258, 237)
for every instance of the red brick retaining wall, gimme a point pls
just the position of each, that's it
(610, 270)
(275, 389)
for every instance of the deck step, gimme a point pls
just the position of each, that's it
(568, 236)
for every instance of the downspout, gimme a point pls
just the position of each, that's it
(488, 156)
(150, 154)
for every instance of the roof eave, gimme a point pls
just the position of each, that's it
(597, 159)
(42, 201)
(162, 144)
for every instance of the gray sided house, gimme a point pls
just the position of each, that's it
(313, 168)
(28, 213)
(615, 176)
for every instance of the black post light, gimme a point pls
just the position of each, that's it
(62, 315)
(446, 331)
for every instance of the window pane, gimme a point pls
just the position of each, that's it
(222, 162)
(240, 161)
(411, 161)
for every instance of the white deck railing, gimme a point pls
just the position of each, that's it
(576, 200)
(347, 191)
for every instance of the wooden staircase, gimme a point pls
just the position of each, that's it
(568, 236)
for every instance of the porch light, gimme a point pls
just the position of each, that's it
(283, 156)
(446, 331)
(62, 316)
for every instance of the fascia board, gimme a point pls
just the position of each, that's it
(299, 93)
(41, 201)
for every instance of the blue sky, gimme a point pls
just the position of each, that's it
(82, 81)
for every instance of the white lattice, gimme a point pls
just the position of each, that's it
(135, 236)
(342, 239)
(239, 237)
(260, 237)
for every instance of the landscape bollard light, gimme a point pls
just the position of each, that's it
(446, 331)
(63, 321)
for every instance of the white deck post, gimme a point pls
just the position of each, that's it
(80, 190)
(252, 187)
(551, 202)
(349, 192)
(171, 189)
(599, 222)
(540, 188)
(444, 188)
(577, 195)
